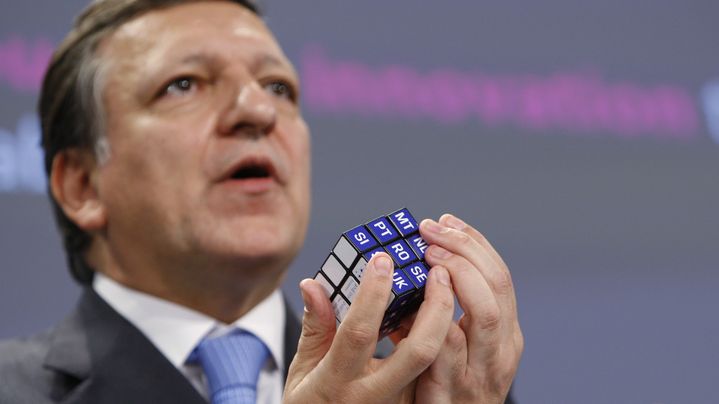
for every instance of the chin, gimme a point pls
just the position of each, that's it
(263, 246)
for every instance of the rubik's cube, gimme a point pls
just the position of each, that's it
(396, 234)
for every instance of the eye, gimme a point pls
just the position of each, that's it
(179, 86)
(282, 89)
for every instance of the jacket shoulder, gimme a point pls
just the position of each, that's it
(24, 379)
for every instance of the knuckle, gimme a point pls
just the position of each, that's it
(455, 339)
(461, 237)
(358, 337)
(423, 354)
(444, 302)
(502, 282)
(489, 318)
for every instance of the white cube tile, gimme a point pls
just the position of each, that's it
(345, 252)
(334, 270)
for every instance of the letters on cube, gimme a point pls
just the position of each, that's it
(397, 234)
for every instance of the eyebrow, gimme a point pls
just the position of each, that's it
(205, 58)
(214, 61)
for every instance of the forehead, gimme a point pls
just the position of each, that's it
(162, 36)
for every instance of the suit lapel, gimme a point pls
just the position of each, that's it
(102, 358)
(293, 328)
(111, 361)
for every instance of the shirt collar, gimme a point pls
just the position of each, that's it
(176, 330)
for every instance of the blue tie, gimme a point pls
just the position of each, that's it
(232, 365)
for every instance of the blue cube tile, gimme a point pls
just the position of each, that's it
(401, 253)
(417, 272)
(401, 284)
(383, 230)
(361, 238)
(418, 245)
(404, 222)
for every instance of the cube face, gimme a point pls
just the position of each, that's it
(401, 285)
(404, 222)
(417, 272)
(401, 253)
(383, 230)
(418, 245)
(396, 234)
(361, 238)
(333, 270)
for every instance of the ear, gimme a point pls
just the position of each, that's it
(73, 184)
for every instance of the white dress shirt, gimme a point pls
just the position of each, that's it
(176, 330)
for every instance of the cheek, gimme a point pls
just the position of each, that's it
(154, 163)
(301, 157)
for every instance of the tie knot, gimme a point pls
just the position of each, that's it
(232, 364)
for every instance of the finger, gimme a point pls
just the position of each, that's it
(454, 222)
(461, 243)
(449, 368)
(451, 362)
(357, 336)
(490, 314)
(419, 349)
(474, 294)
(318, 330)
(500, 278)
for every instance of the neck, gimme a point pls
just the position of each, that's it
(224, 292)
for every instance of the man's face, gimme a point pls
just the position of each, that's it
(209, 154)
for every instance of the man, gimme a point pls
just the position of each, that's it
(178, 165)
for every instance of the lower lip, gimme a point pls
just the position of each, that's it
(252, 185)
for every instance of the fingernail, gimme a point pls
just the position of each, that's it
(383, 265)
(442, 276)
(305, 297)
(455, 223)
(439, 252)
(434, 227)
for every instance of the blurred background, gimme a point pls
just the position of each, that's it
(581, 137)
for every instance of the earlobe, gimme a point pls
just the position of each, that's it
(74, 188)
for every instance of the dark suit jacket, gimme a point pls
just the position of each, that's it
(96, 356)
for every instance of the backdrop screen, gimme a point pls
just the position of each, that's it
(581, 137)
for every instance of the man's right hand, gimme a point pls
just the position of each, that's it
(336, 365)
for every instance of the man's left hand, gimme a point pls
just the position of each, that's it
(481, 352)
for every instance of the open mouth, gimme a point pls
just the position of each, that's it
(252, 171)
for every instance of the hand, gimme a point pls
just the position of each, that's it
(336, 365)
(480, 354)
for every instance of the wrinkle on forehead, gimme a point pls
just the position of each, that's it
(187, 14)
(159, 36)
(148, 30)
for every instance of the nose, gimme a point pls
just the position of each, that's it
(251, 112)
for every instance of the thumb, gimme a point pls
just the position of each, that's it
(318, 330)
